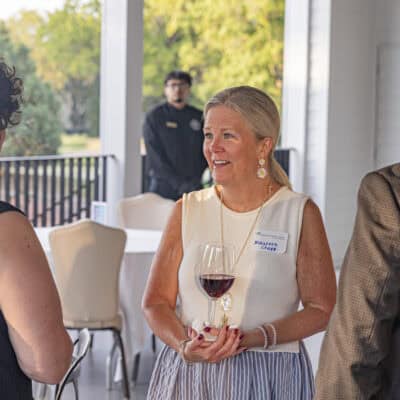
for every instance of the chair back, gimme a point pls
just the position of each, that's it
(87, 258)
(81, 347)
(145, 211)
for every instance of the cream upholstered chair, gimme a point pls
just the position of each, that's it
(144, 211)
(87, 259)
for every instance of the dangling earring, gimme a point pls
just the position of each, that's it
(261, 170)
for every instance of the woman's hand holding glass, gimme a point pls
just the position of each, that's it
(227, 344)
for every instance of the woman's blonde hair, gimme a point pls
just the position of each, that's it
(261, 113)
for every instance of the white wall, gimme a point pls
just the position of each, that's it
(351, 119)
(387, 21)
(387, 126)
(336, 142)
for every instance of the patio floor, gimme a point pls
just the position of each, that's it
(93, 374)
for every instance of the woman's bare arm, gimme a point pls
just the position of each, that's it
(159, 301)
(30, 303)
(317, 284)
(160, 295)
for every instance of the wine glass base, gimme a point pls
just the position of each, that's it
(208, 337)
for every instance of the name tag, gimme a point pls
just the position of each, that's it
(271, 242)
(171, 124)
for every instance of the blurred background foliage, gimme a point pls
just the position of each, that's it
(220, 42)
(40, 129)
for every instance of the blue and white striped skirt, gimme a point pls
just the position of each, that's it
(248, 376)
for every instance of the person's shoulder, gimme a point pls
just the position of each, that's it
(6, 207)
(194, 110)
(286, 194)
(200, 196)
(13, 225)
(158, 108)
(389, 173)
(381, 186)
(386, 176)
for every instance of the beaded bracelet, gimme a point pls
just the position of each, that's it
(182, 346)
(264, 332)
(273, 329)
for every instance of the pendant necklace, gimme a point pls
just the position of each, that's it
(226, 299)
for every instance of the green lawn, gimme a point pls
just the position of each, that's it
(79, 144)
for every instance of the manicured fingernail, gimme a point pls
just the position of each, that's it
(207, 329)
(226, 327)
(241, 336)
(201, 337)
(236, 331)
(245, 349)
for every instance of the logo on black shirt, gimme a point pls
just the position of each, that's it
(195, 124)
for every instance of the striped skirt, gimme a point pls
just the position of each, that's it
(248, 376)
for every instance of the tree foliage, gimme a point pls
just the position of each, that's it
(221, 42)
(40, 129)
(66, 48)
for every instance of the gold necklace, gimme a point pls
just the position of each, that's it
(251, 228)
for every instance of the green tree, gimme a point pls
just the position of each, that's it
(66, 48)
(40, 129)
(70, 39)
(221, 42)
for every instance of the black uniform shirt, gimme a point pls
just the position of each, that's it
(174, 145)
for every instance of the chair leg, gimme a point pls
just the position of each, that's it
(91, 341)
(75, 385)
(56, 394)
(125, 382)
(135, 369)
(109, 365)
(41, 391)
(153, 343)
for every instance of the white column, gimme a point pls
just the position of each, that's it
(295, 84)
(351, 115)
(121, 96)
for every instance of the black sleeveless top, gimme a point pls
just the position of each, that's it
(14, 384)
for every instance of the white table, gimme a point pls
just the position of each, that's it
(139, 241)
(139, 251)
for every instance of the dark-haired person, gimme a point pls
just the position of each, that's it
(33, 341)
(174, 140)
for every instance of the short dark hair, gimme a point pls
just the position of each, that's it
(181, 75)
(11, 88)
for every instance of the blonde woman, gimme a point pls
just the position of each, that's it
(250, 206)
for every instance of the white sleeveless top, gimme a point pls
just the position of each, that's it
(265, 288)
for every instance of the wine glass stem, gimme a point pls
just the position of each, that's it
(211, 311)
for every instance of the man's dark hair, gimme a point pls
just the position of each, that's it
(11, 88)
(181, 75)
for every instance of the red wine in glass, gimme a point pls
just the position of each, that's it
(216, 284)
(215, 273)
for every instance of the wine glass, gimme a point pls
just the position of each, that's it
(215, 273)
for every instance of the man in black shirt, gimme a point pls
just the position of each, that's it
(173, 136)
